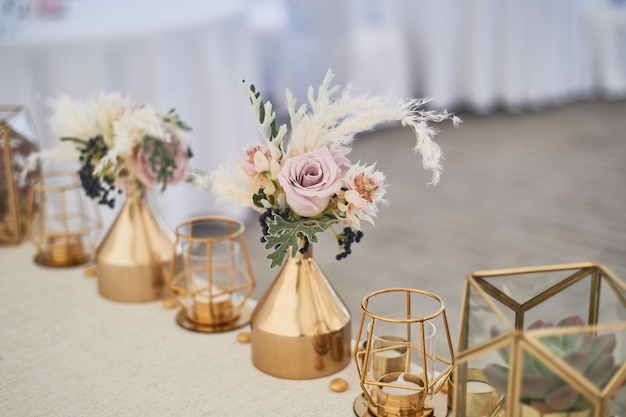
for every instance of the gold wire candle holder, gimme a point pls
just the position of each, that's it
(212, 275)
(65, 225)
(399, 371)
(550, 341)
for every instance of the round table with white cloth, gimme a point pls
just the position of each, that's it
(187, 54)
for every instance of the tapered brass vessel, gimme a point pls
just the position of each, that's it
(132, 262)
(300, 327)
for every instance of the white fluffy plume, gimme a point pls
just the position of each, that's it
(337, 121)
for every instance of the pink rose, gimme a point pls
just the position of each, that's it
(310, 180)
(147, 176)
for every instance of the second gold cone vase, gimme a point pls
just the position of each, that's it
(133, 259)
(300, 327)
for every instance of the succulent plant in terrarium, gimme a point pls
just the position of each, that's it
(589, 354)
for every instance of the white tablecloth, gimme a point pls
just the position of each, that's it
(66, 351)
(186, 54)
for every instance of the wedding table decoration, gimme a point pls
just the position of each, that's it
(18, 140)
(304, 185)
(548, 342)
(399, 369)
(65, 224)
(212, 275)
(124, 148)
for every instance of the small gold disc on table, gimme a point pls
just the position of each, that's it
(170, 302)
(243, 337)
(338, 385)
(90, 271)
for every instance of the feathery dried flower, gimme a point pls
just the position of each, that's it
(306, 185)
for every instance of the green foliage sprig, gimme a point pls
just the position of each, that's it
(284, 235)
(160, 157)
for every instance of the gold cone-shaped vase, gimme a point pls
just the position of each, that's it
(133, 259)
(300, 327)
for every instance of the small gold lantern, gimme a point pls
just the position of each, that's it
(212, 274)
(65, 224)
(17, 143)
(549, 340)
(399, 371)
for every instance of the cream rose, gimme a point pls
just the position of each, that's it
(310, 180)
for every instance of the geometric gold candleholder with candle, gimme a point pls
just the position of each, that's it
(550, 341)
(399, 370)
(65, 225)
(482, 399)
(212, 275)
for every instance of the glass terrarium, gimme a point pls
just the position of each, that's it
(542, 341)
(18, 141)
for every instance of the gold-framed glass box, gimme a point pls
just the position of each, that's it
(18, 140)
(546, 341)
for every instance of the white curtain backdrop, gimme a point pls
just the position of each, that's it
(481, 55)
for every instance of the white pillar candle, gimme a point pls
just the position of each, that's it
(391, 353)
(401, 391)
(219, 296)
(478, 386)
(212, 310)
(204, 299)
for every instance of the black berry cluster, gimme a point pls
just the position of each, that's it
(268, 216)
(305, 247)
(94, 185)
(345, 241)
(264, 218)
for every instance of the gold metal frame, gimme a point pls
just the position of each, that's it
(71, 246)
(479, 286)
(14, 226)
(365, 404)
(218, 316)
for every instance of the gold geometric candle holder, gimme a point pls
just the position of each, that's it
(548, 341)
(212, 275)
(65, 225)
(17, 142)
(399, 371)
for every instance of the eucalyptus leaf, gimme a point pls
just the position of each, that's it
(284, 235)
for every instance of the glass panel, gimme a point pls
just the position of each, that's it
(617, 405)
(483, 322)
(522, 288)
(542, 391)
(17, 143)
(612, 306)
(481, 383)
(573, 300)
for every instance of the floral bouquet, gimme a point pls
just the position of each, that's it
(305, 185)
(116, 141)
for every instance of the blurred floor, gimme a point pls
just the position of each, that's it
(517, 190)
